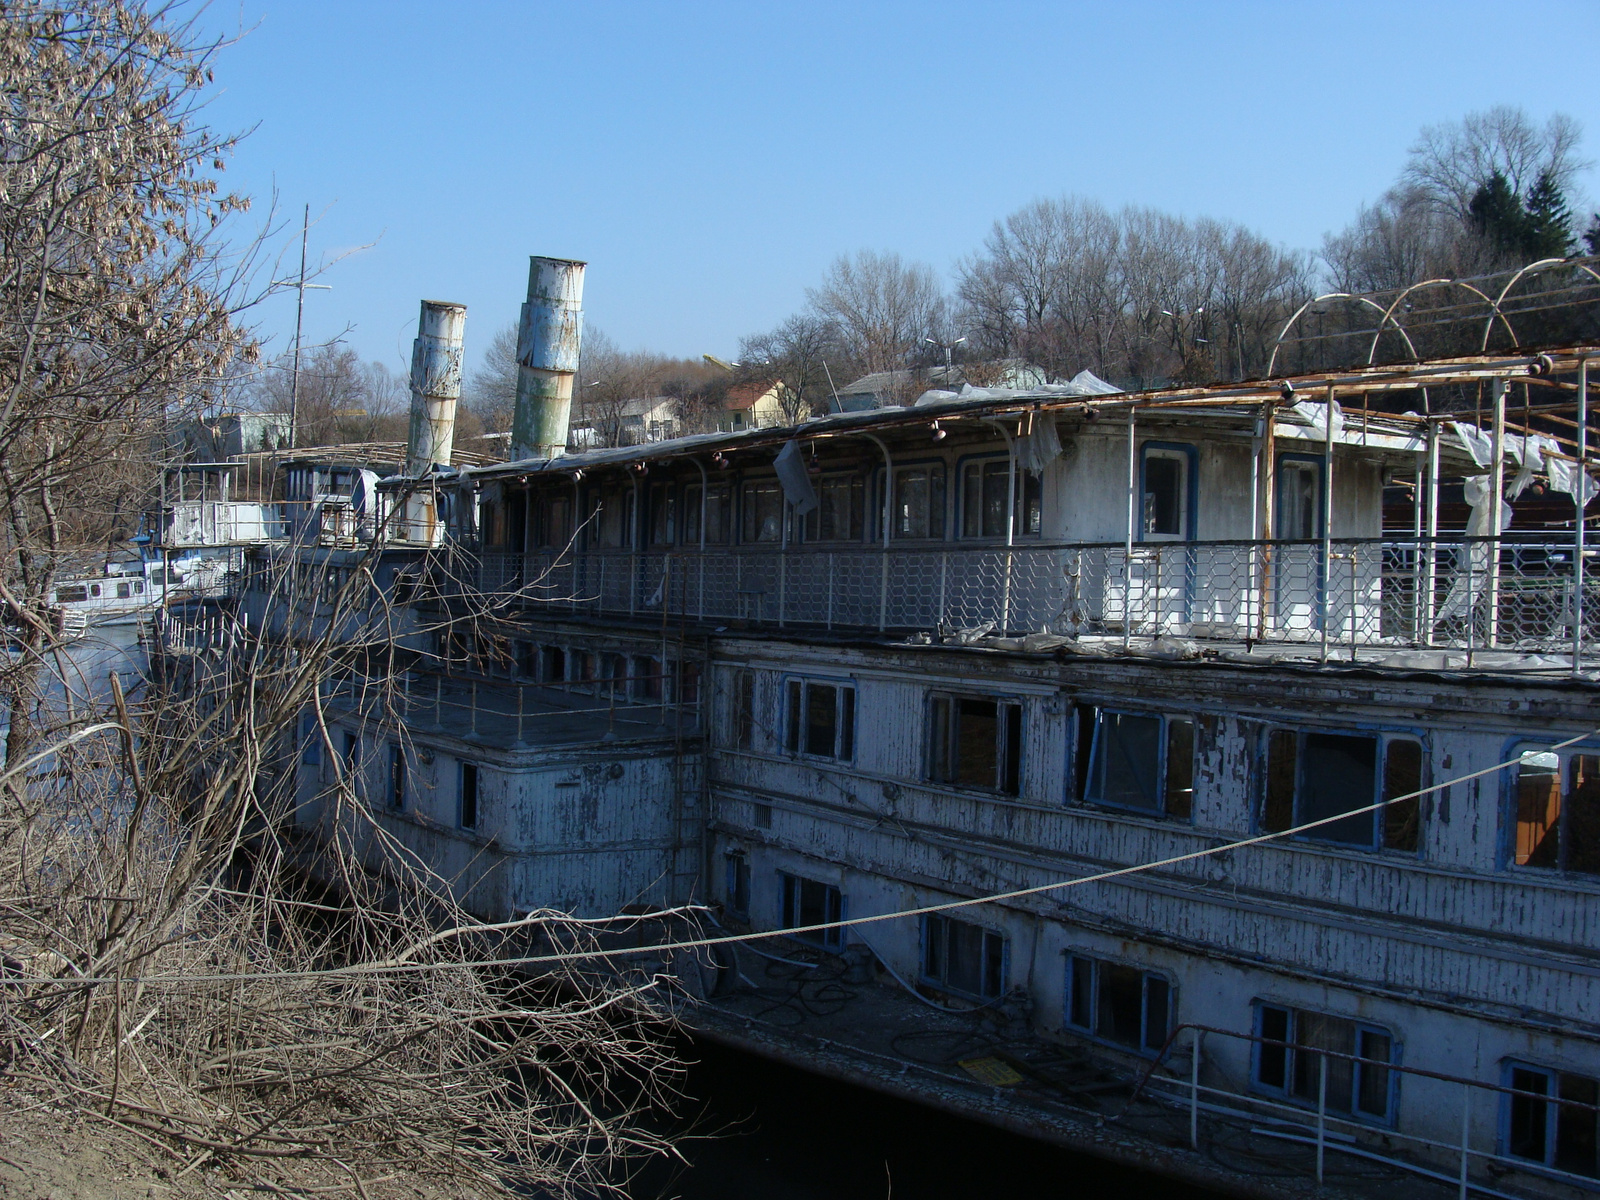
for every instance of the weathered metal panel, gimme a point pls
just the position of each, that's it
(435, 384)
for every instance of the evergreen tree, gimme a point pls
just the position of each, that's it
(1499, 218)
(1549, 220)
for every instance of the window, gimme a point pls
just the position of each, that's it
(663, 514)
(552, 664)
(138, 587)
(736, 869)
(744, 710)
(467, 805)
(1167, 512)
(71, 594)
(1311, 776)
(807, 902)
(1118, 1003)
(963, 957)
(975, 741)
(718, 510)
(525, 658)
(1299, 486)
(397, 778)
(1558, 812)
(553, 521)
(1138, 760)
(762, 509)
(1566, 1138)
(983, 500)
(124, 591)
(821, 719)
(352, 753)
(310, 740)
(916, 510)
(646, 678)
(614, 518)
(1297, 1046)
(838, 516)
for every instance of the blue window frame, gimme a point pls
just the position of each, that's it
(1297, 1047)
(820, 718)
(1169, 487)
(1553, 811)
(958, 956)
(985, 481)
(310, 740)
(917, 503)
(1552, 1118)
(1139, 761)
(1312, 774)
(808, 902)
(1121, 1004)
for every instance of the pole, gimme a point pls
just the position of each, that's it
(299, 322)
(1466, 1130)
(1497, 483)
(1430, 576)
(1194, 1090)
(1322, 1112)
(1269, 483)
(1327, 522)
(1578, 533)
(1127, 549)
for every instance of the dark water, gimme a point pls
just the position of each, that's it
(789, 1135)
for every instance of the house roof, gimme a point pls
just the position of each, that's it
(748, 395)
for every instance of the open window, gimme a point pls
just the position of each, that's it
(983, 500)
(807, 902)
(1142, 761)
(736, 883)
(1168, 493)
(744, 710)
(467, 797)
(976, 742)
(1557, 817)
(310, 739)
(1551, 1118)
(1117, 1003)
(820, 720)
(1298, 1048)
(841, 503)
(959, 956)
(397, 778)
(1314, 775)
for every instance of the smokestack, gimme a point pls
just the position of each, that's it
(547, 357)
(435, 385)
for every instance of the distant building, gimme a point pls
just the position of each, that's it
(754, 405)
(636, 422)
(213, 439)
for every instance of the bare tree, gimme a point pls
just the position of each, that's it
(491, 389)
(798, 357)
(882, 306)
(1451, 161)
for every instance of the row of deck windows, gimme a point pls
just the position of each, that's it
(753, 511)
(1358, 788)
(1300, 1055)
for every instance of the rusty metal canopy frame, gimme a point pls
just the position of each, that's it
(1552, 302)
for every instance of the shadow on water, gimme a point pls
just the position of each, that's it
(790, 1135)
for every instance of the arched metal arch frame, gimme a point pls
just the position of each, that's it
(1299, 312)
(1531, 269)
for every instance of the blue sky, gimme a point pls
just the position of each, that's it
(710, 159)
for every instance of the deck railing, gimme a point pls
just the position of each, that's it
(1462, 594)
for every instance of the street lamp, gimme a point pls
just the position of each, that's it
(946, 347)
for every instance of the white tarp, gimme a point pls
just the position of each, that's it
(796, 482)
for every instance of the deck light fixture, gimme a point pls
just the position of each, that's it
(939, 434)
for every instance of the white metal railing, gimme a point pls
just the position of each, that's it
(1415, 592)
(1443, 1127)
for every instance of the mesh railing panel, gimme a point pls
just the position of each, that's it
(1456, 593)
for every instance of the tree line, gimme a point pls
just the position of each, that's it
(1138, 296)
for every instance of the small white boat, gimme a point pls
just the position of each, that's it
(134, 588)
